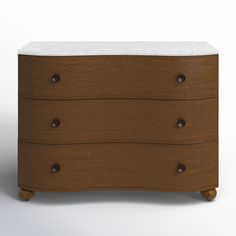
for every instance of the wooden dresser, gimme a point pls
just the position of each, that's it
(118, 115)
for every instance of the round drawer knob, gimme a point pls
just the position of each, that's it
(55, 78)
(55, 168)
(181, 168)
(181, 123)
(181, 78)
(55, 123)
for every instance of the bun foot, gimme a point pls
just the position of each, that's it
(209, 195)
(26, 195)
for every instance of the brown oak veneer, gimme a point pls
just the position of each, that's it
(118, 77)
(118, 165)
(118, 120)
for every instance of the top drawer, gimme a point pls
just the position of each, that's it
(154, 77)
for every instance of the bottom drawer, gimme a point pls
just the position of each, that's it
(78, 167)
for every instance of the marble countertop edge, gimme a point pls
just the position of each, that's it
(112, 48)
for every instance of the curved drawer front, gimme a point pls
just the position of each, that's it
(117, 77)
(118, 120)
(115, 165)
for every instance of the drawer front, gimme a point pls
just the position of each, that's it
(118, 120)
(115, 165)
(118, 77)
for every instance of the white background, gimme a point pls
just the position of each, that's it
(117, 213)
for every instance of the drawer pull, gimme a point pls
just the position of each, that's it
(55, 123)
(55, 168)
(181, 168)
(181, 123)
(55, 78)
(181, 78)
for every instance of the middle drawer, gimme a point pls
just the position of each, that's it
(118, 120)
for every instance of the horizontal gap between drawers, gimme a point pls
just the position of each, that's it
(107, 98)
(107, 142)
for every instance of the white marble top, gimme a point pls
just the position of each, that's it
(91, 48)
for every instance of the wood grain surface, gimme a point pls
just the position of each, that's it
(118, 166)
(118, 120)
(118, 77)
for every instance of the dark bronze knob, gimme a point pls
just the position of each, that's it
(181, 168)
(55, 168)
(180, 78)
(55, 78)
(181, 123)
(55, 123)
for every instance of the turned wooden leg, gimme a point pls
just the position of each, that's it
(209, 195)
(26, 195)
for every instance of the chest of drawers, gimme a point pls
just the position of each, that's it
(118, 115)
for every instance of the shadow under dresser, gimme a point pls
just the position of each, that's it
(118, 115)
